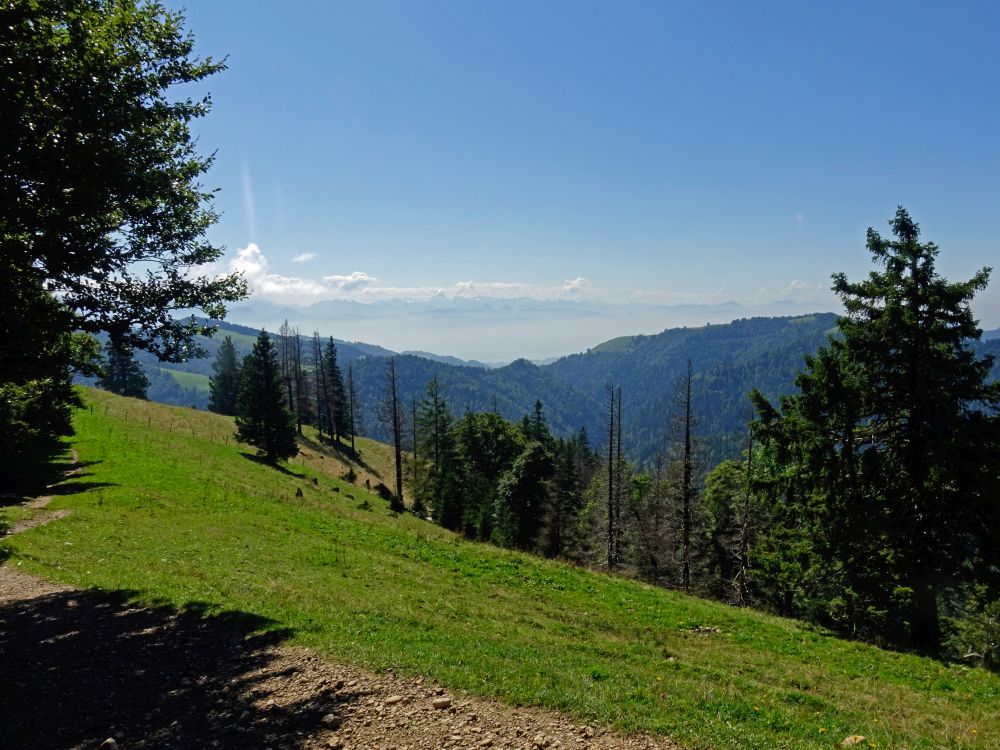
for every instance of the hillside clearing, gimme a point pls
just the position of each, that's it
(169, 510)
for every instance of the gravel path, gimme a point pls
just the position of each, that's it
(81, 668)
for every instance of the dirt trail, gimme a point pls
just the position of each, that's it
(39, 503)
(81, 667)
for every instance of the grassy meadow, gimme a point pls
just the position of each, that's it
(188, 379)
(169, 507)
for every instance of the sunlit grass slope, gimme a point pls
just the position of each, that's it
(170, 508)
(189, 379)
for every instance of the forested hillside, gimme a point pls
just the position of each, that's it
(727, 360)
(511, 391)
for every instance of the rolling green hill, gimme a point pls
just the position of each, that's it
(169, 508)
(192, 380)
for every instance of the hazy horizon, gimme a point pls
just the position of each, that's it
(639, 154)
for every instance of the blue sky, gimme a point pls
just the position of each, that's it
(621, 152)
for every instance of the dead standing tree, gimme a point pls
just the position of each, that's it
(683, 425)
(392, 417)
(613, 426)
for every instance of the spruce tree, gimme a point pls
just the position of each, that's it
(263, 419)
(225, 384)
(437, 488)
(122, 374)
(889, 446)
(337, 402)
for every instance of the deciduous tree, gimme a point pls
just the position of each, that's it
(102, 210)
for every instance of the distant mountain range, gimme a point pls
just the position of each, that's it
(728, 361)
(492, 329)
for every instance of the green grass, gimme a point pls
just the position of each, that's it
(620, 344)
(171, 510)
(188, 379)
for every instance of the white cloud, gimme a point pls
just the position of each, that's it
(576, 287)
(362, 287)
(253, 264)
(356, 280)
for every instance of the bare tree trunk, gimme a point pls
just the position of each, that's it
(299, 376)
(413, 444)
(612, 531)
(687, 487)
(395, 420)
(285, 358)
(319, 381)
(352, 398)
(743, 575)
(620, 480)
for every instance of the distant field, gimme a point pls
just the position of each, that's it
(168, 507)
(620, 344)
(189, 379)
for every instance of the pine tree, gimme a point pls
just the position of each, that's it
(891, 441)
(320, 388)
(571, 473)
(122, 374)
(392, 416)
(437, 488)
(337, 400)
(225, 384)
(262, 417)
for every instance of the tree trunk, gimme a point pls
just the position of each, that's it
(925, 626)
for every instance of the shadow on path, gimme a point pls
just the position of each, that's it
(79, 667)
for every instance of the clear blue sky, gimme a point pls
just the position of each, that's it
(663, 152)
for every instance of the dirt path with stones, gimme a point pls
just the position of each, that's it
(39, 503)
(81, 669)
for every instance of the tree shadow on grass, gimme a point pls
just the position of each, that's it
(79, 667)
(55, 476)
(270, 464)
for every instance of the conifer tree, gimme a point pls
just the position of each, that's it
(891, 442)
(437, 488)
(523, 498)
(392, 416)
(225, 384)
(262, 417)
(320, 388)
(122, 374)
(337, 400)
